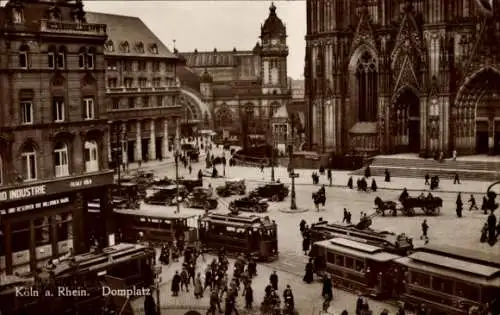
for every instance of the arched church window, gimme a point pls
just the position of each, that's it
(366, 79)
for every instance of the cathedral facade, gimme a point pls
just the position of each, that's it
(389, 76)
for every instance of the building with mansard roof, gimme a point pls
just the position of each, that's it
(392, 76)
(53, 133)
(243, 88)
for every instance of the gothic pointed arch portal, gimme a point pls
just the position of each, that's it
(405, 120)
(476, 123)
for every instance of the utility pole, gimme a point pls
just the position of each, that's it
(293, 203)
(177, 144)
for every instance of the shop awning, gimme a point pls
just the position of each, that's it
(364, 128)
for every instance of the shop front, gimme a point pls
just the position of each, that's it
(46, 220)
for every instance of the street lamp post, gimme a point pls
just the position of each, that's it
(157, 273)
(293, 203)
(117, 150)
(177, 181)
(272, 152)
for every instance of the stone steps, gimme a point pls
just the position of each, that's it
(418, 168)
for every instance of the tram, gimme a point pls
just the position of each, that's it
(157, 225)
(74, 284)
(396, 244)
(252, 235)
(452, 281)
(355, 266)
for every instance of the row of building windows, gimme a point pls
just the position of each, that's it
(56, 59)
(125, 47)
(129, 65)
(29, 167)
(141, 82)
(44, 234)
(144, 101)
(58, 110)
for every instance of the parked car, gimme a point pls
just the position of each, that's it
(248, 204)
(231, 187)
(273, 191)
(125, 195)
(165, 195)
(190, 184)
(201, 198)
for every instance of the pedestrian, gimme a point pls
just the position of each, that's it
(459, 205)
(329, 175)
(309, 275)
(484, 205)
(456, 179)
(190, 168)
(288, 297)
(387, 176)
(176, 281)
(302, 226)
(484, 233)
(198, 287)
(248, 293)
(374, 185)
(214, 303)
(230, 305)
(472, 202)
(326, 292)
(149, 304)
(344, 218)
(349, 217)
(305, 244)
(425, 229)
(273, 279)
(427, 177)
(208, 279)
(492, 221)
(184, 279)
(359, 304)
(349, 183)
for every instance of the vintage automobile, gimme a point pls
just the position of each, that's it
(165, 195)
(248, 204)
(273, 191)
(165, 181)
(190, 184)
(233, 186)
(201, 198)
(125, 195)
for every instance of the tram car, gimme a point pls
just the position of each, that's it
(122, 266)
(451, 280)
(444, 279)
(355, 266)
(390, 242)
(252, 235)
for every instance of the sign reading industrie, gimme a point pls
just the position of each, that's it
(56, 187)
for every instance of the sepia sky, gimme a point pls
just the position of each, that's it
(206, 25)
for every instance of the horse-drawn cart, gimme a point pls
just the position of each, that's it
(430, 205)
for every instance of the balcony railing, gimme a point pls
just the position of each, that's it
(72, 28)
(141, 89)
(145, 112)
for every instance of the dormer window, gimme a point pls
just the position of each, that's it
(124, 47)
(110, 47)
(55, 14)
(153, 48)
(18, 16)
(139, 47)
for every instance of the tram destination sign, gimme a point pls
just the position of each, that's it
(55, 187)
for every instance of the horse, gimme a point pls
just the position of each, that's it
(385, 205)
(319, 199)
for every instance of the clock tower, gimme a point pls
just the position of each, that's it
(273, 54)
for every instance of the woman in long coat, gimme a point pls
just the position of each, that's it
(309, 276)
(198, 287)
